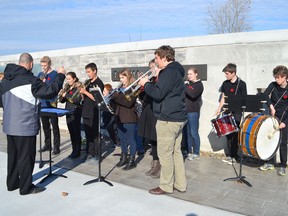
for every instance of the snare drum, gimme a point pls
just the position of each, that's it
(259, 136)
(224, 125)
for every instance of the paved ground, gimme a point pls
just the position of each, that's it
(207, 193)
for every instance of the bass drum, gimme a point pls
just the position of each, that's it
(260, 136)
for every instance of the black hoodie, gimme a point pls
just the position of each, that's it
(168, 94)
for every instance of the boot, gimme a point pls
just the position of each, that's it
(157, 173)
(154, 168)
(131, 164)
(123, 160)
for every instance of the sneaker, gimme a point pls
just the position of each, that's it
(192, 157)
(266, 166)
(231, 161)
(282, 171)
(227, 159)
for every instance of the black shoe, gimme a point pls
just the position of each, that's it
(45, 148)
(34, 190)
(131, 164)
(74, 155)
(123, 160)
(56, 151)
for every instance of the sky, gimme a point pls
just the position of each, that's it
(39, 25)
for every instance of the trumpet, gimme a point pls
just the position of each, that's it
(65, 89)
(134, 88)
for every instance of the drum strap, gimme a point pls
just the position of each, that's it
(237, 85)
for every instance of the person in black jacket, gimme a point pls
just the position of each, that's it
(277, 100)
(168, 95)
(21, 92)
(71, 95)
(90, 111)
(232, 86)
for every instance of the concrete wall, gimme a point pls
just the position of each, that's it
(255, 53)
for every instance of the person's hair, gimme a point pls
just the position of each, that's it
(280, 70)
(193, 69)
(73, 75)
(108, 87)
(92, 66)
(127, 73)
(25, 58)
(231, 68)
(45, 59)
(166, 51)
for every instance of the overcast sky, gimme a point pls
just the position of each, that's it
(37, 25)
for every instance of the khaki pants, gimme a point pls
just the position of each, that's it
(169, 135)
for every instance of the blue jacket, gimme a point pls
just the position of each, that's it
(168, 94)
(20, 92)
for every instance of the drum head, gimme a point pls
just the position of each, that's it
(268, 138)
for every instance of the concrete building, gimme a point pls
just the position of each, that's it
(255, 53)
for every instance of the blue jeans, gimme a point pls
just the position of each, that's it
(127, 136)
(139, 141)
(193, 138)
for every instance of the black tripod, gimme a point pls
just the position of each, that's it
(243, 103)
(101, 106)
(51, 112)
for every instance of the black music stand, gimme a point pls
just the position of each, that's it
(41, 162)
(102, 105)
(243, 103)
(52, 112)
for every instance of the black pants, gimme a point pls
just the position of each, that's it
(74, 127)
(91, 133)
(21, 160)
(282, 148)
(46, 120)
(232, 142)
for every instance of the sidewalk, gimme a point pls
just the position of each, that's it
(207, 193)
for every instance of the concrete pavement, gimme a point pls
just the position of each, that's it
(207, 193)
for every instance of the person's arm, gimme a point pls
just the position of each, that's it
(221, 103)
(123, 101)
(44, 91)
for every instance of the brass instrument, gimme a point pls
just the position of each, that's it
(79, 85)
(134, 88)
(65, 89)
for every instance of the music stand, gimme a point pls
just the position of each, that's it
(41, 162)
(53, 112)
(102, 105)
(243, 103)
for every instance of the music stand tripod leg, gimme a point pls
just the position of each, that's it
(100, 178)
(50, 168)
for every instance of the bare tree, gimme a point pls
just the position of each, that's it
(229, 16)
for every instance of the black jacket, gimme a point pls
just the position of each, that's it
(21, 92)
(168, 94)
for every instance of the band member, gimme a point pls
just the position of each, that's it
(168, 95)
(232, 86)
(70, 94)
(21, 120)
(126, 116)
(109, 122)
(90, 111)
(147, 129)
(193, 90)
(48, 75)
(277, 100)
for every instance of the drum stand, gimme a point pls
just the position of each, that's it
(101, 103)
(248, 103)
